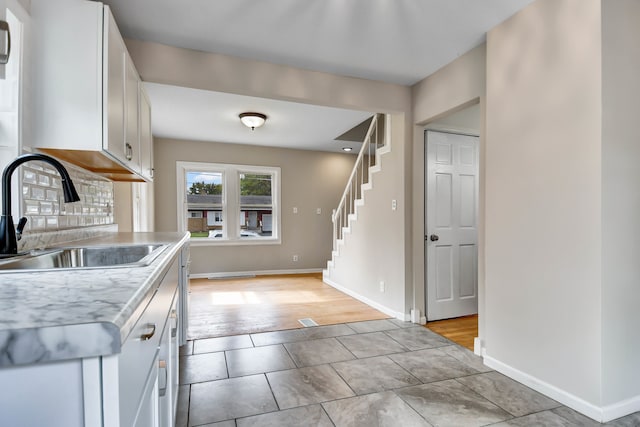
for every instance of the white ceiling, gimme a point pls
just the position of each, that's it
(200, 115)
(397, 41)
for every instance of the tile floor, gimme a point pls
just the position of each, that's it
(374, 373)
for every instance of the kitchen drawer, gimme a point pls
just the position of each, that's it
(139, 351)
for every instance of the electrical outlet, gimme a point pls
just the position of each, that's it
(295, 258)
(394, 204)
(319, 211)
(382, 286)
(295, 210)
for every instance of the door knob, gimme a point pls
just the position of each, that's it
(434, 238)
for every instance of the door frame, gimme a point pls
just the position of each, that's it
(421, 122)
(426, 191)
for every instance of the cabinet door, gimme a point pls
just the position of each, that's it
(113, 87)
(147, 415)
(168, 368)
(132, 136)
(175, 356)
(146, 138)
(164, 378)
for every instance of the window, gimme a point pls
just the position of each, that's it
(229, 204)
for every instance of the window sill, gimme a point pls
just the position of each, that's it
(203, 241)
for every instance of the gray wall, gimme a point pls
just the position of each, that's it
(620, 200)
(310, 180)
(559, 198)
(168, 65)
(543, 196)
(451, 89)
(364, 260)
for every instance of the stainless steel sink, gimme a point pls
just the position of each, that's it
(85, 257)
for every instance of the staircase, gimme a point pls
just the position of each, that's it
(367, 164)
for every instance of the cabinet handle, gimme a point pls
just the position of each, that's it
(147, 336)
(4, 57)
(151, 171)
(162, 364)
(129, 152)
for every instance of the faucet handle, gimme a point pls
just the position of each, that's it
(20, 227)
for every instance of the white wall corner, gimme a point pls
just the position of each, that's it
(600, 414)
(620, 409)
(386, 310)
(477, 346)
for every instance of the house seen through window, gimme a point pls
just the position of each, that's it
(226, 203)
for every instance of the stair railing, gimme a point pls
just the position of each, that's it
(373, 140)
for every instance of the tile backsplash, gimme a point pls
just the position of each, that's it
(43, 200)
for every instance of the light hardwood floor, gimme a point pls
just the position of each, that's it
(223, 307)
(461, 330)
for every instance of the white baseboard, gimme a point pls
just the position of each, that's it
(620, 409)
(600, 414)
(386, 310)
(477, 346)
(221, 275)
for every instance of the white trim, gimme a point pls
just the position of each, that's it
(620, 409)
(600, 414)
(204, 241)
(230, 182)
(227, 274)
(377, 306)
(91, 385)
(477, 346)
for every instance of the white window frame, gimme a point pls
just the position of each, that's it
(230, 202)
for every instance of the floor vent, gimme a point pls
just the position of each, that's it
(307, 322)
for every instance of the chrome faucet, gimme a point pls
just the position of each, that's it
(8, 241)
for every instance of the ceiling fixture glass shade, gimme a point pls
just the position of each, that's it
(347, 149)
(253, 120)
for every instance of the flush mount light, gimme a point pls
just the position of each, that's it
(253, 120)
(347, 149)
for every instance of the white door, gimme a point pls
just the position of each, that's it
(451, 232)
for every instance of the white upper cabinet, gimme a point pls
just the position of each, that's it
(113, 89)
(146, 139)
(86, 90)
(132, 115)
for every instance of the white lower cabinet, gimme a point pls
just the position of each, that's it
(136, 387)
(147, 367)
(148, 413)
(168, 369)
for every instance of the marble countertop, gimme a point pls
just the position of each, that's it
(67, 314)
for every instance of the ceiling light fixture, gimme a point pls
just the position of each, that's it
(347, 149)
(253, 120)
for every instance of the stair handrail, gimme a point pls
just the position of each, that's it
(337, 213)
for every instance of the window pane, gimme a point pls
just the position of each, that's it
(256, 205)
(204, 204)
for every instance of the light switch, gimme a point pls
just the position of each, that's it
(295, 210)
(319, 211)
